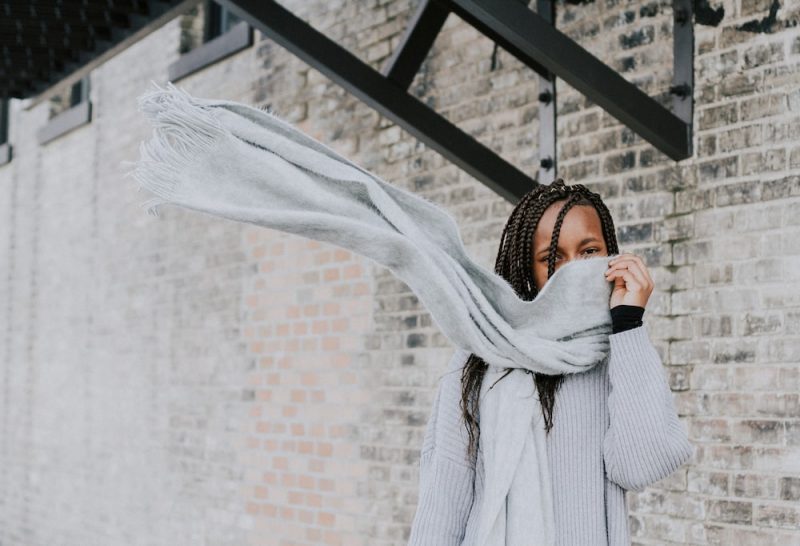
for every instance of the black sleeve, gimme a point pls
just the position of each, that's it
(625, 317)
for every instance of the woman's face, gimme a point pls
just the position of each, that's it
(581, 236)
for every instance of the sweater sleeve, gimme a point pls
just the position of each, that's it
(446, 476)
(645, 441)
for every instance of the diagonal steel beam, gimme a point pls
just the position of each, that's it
(533, 39)
(380, 93)
(420, 34)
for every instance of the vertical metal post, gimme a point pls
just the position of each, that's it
(547, 109)
(682, 88)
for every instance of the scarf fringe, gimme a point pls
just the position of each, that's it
(183, 129)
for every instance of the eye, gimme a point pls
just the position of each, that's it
(595, 249)
(544, 260)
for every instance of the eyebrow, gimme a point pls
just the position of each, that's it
(583, 242)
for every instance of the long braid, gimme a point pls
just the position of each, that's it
(515, 264)
(551, 255)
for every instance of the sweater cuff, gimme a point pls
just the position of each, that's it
(625, 317)
(632, 342)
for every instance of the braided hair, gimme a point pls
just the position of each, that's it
(515, 264)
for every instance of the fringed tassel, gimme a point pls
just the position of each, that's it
(183, 130)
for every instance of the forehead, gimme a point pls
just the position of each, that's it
(579, 222)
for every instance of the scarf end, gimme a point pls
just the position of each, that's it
(184, 130)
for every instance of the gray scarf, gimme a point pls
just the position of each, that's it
(245, 164)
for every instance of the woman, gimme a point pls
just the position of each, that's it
(607, 429)
(610, 429)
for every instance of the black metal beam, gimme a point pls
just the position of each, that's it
(392, 101)
(513, 24)
(548, 151)
(502, 39)
(420, 34)
(682, 60)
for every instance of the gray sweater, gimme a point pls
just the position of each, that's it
(615, 428)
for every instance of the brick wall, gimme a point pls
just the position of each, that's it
(190, 380)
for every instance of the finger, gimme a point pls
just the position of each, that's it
(620, 263)
(630, 258)
(642, 271)
(637, 271)
(646, 272)
(631, 282)
(639, 260)
(620, 258)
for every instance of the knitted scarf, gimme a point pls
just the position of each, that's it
(245, 164)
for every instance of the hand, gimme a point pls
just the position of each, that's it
(632, 282)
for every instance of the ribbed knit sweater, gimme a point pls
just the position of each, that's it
(615, 428)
